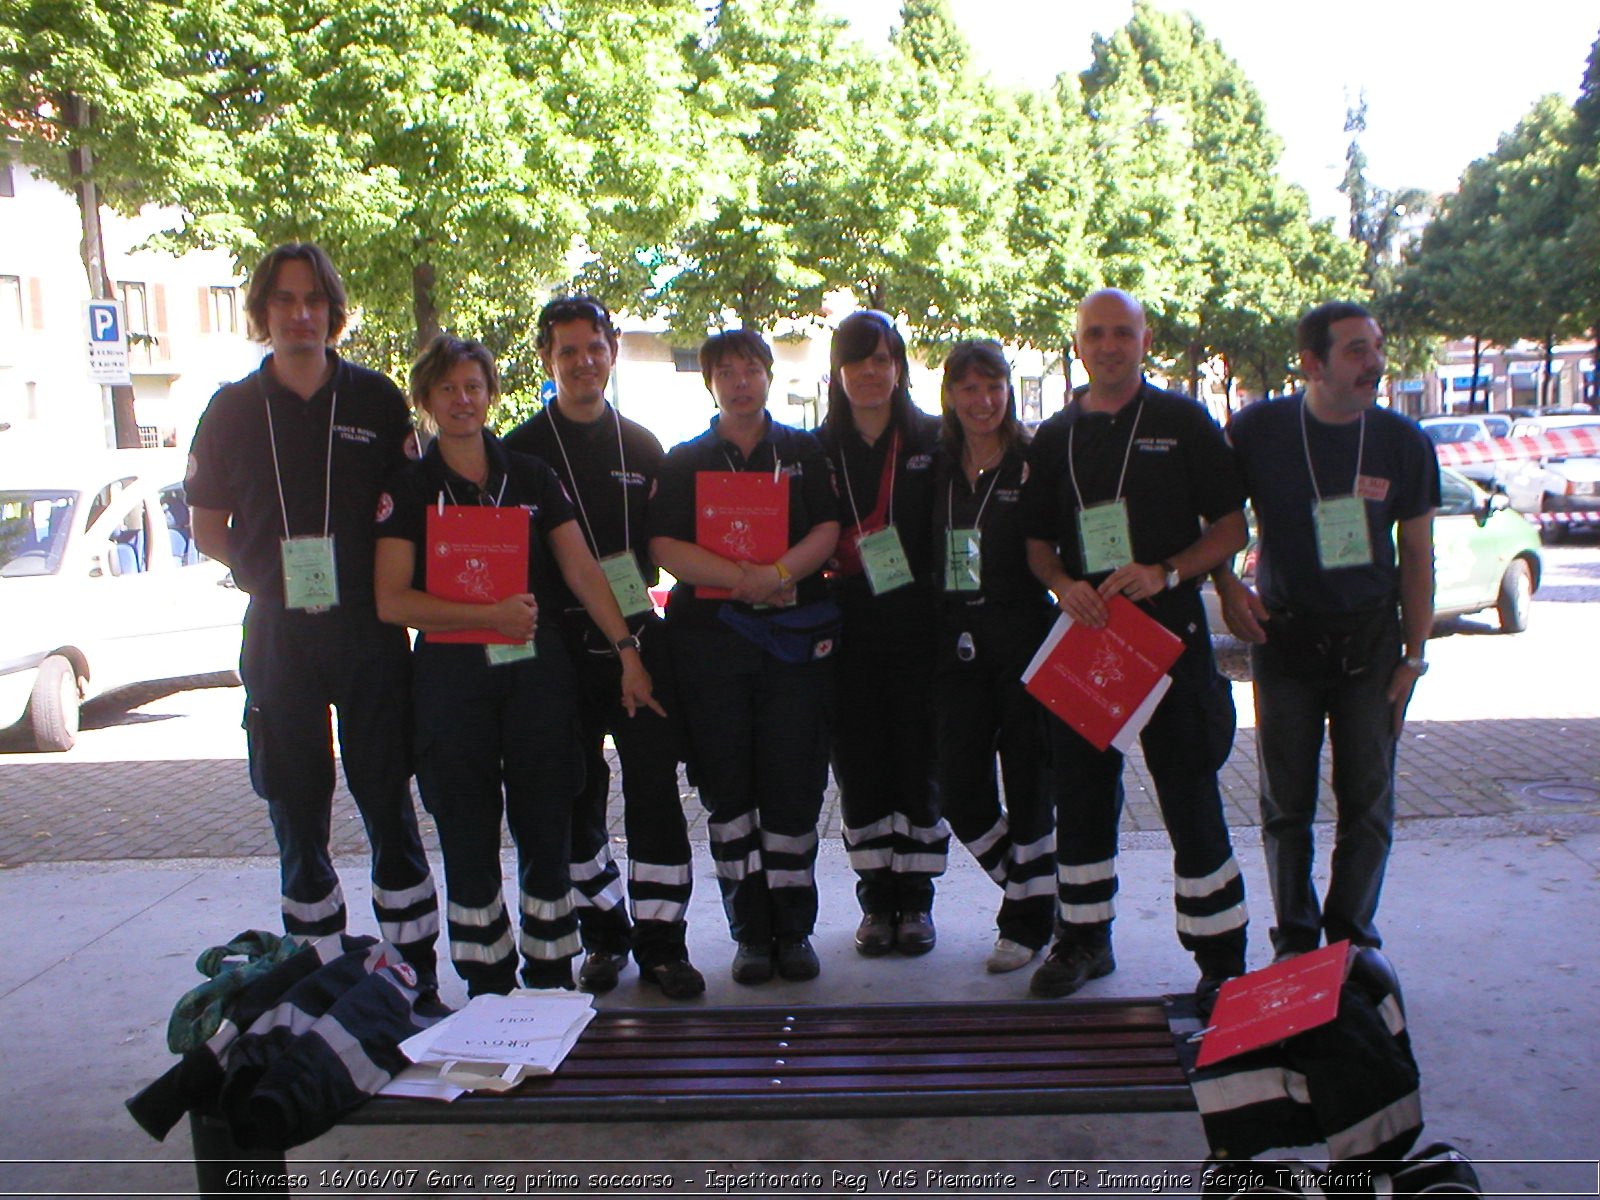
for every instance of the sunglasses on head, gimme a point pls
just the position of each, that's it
(558, 311)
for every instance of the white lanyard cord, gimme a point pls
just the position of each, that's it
(1072, 466)
(894, 455)
(622, 463)
(1305, 442)
(277, 471)
(950, 502)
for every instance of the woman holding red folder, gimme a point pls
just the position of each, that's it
(744, 517)
(882, 449)
(494, 691)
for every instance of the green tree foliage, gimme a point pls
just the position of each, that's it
(766, 83)
(1583, 234)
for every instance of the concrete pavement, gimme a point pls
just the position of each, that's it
(143, 846)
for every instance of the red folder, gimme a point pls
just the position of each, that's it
(742, 515)
(477, 555)
(1275, 1002)
(1104, 682)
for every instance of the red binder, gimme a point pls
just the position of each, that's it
(1275, 1002)
(742, 515)
(477, 555)
(1104, 682)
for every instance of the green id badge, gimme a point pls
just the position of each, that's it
(885, 560)
(500, 655)
(309, 579)
(627, 583)
(1103, 533)
(963, 560)
(1342, 536)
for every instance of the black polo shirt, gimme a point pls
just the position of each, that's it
(231, 469)
(811, 500)
(1180, 472)
(1397, 459)
(860, 470)
(598, 473)
(515, 481)
(994, 508)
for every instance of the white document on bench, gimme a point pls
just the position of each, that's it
(496, 1041)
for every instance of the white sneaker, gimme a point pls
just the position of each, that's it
(1008, 956)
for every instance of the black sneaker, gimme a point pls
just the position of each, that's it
(600, 970)
(1071, 966)
(752, 962)
(797, 960)
(677, 979)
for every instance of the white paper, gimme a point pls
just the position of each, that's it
(421, 1083)
(495, 1041)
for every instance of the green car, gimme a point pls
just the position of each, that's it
(1485, 554)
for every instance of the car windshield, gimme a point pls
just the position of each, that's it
(33, 531)
(1451, 431)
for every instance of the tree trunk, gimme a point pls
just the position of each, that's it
(1477, 368)
(92, 252)
(423, 310)
(1549, 358)
(1193, 354)
(1066, 374)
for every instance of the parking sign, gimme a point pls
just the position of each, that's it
(108, 342)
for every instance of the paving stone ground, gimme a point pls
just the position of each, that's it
(1502, 725)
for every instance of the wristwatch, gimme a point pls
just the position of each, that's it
(631, 642)
(1173, 578)
(1417, 663)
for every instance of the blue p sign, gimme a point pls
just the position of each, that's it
(103, 323)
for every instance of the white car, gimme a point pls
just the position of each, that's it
(101, 584)
(1568, 488)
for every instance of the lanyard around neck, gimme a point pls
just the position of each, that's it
(483, 494)
(1305, 442)
(844, 469)
(622, 463)
(1072, 466)
(950, 499)
(277, 471)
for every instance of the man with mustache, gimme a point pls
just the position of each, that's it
(1340, 618)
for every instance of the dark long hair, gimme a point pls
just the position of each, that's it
(265, 277)
(856, 339)
(976, 356)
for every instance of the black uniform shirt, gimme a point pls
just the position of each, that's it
(515, 480)
(1003, 551)
(860, 468)
(231, 469)
(1180, 471)
(1396, 457)
(812, 500)
(596, 479)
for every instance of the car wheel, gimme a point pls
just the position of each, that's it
(53, 707)
(1516, 597)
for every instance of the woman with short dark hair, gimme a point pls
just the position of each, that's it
(752, 632)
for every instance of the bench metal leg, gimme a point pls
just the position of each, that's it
(223, 1168)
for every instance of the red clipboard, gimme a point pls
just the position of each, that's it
(742, 515)
(1275, 1002)
(1104, 682)
(477, 555)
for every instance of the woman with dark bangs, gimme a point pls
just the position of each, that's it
(993, 614)
(882, 449)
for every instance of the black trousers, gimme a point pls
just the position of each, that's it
(982, 711)
(649, 748)
(499, 744)
(1186, 741)
(882, 752)
(758, 744)
(296, 666)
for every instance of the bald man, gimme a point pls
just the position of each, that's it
(1132, 490)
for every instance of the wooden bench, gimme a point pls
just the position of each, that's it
(805, 1062)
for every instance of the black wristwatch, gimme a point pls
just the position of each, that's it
(631, 642)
